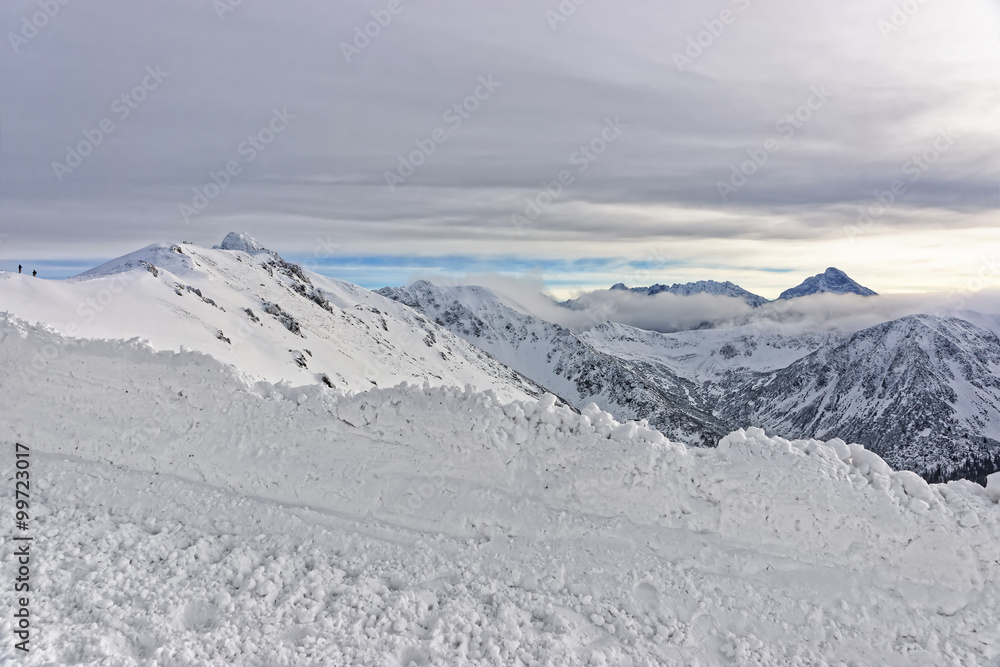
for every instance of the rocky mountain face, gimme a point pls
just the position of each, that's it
(831, 281)
(922, 391)
(558, 360)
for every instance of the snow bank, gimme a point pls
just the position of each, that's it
(192, 516)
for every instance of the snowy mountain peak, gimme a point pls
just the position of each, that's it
(700, 287)
(274, 320)
(152, 258)
(241, 241)
(832, 281)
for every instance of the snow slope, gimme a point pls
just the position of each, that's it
(711, 357)
(922, 391)
(245, 305)
(186, 516)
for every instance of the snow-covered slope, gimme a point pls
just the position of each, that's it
(832, 281)
(711, 358)
(940, 418)
(922, 391)
(245, 305)
(700, 287)
(183, 516)
(557, 359)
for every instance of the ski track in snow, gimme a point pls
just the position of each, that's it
(187, 516)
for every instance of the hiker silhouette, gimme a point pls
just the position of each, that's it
(18, 268)
(34, 273)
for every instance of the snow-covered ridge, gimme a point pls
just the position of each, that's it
(831, 281)
(561, 361)
(726, 288)
(247, 306)
(168, 257)
(521, 429)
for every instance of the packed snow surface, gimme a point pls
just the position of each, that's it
(186, 515)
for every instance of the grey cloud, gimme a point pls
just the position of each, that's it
(686, 129)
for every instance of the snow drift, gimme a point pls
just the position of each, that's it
(192, 516)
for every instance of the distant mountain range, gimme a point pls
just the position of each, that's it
(562, 362)
(701, 287)
(922, 391)
(831, 281)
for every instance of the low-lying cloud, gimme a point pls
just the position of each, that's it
(667, 312)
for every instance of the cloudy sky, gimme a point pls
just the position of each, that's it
(579, 144)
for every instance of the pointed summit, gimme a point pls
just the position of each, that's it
(241, 241)
(831, 281)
